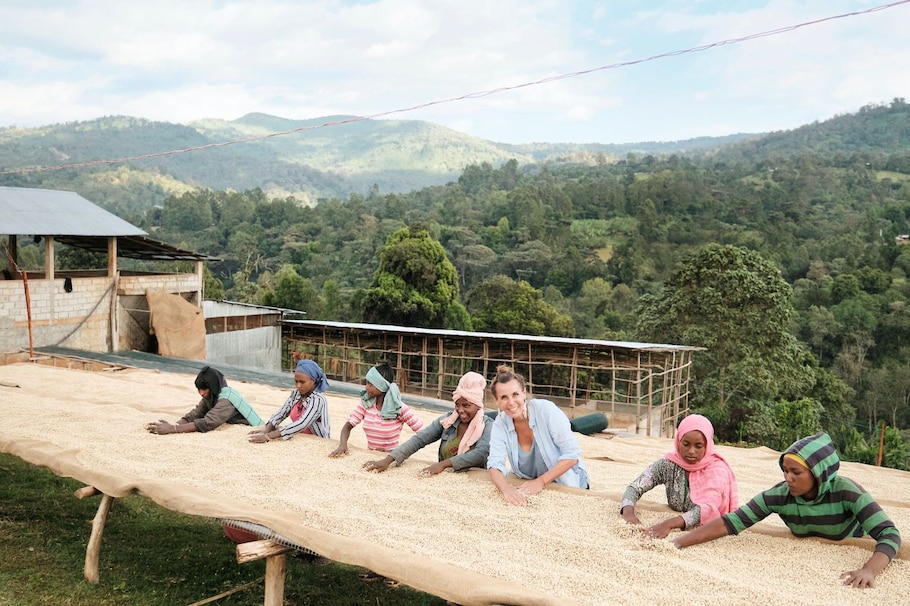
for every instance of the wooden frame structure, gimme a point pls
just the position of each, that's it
(647, 381)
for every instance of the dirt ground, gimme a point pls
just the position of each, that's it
(451, 534)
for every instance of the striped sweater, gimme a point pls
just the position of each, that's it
(841, 509)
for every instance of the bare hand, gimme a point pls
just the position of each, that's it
(377, 466)
(162, 427)
(258, 437)
(628, 514)
(532, 487)
(660, 531)
(861, 579)
(432, 470)
(339, 452)
(514, 496)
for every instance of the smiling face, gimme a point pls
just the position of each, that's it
(466, 410)
(799, 480)
(510, 396)
(304, 383)
(691, 447)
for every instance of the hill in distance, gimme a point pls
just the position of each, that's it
(336, 156)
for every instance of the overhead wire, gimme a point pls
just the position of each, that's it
(468, 96)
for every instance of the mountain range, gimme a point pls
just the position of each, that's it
(337, 156)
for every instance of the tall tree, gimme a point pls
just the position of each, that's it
(737, 305)
(501, 304)
(415, 284)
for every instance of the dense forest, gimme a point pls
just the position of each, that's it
(786, 257)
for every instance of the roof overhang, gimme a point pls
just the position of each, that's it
(135, 247)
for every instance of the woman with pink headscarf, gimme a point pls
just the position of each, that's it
(463, 434)
(699, 482)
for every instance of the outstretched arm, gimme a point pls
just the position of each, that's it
(714, 529)
(342, 441)
(864, 577)
(532, 487)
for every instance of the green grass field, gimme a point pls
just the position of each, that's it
(149, 555)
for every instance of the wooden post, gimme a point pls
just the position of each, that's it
(28, 315)
(275, 555)
(275, 568)
(93, 551)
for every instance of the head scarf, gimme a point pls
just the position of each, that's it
(712, 484)
(211, 379)
(789, 456)
(470, 387)
(313, 371)
(391, 403)
(821, 458)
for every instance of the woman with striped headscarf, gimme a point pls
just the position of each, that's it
(306, 406)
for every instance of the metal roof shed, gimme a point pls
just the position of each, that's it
(84, 307)
(67, 217)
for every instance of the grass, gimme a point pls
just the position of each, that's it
(149, 555)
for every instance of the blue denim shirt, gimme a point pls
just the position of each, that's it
(476, 456)
(552, 435)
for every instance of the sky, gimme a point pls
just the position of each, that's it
(184, 60)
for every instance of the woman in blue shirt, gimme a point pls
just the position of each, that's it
(536, 439)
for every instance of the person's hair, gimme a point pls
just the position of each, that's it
(504, 374)
(386, 371)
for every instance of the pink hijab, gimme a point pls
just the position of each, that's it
(711, 480)
(470, 387)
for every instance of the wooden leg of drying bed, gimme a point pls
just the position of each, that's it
(93, 551)
(276, 564)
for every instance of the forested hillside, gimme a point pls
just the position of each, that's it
(310, 162)
(791, 270)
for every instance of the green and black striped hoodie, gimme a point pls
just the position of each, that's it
(841, 508)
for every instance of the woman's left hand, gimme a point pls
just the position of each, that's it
(532, 487)
(432, 470)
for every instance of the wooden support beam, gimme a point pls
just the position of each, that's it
(275, 566)
(93, 551)
(85, 492)
(256, 550)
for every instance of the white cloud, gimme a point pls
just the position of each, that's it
(175, 60)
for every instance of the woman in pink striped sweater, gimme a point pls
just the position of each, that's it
(381, 411)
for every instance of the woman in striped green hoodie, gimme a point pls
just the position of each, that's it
(814, 501)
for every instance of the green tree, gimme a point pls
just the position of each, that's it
(292, 291)
(213, 288)
(501, 304)
(415, 284)
(737, 305)
(333, 303)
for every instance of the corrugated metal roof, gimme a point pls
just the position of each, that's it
(135, 247)
(439, 332)
(46, 212)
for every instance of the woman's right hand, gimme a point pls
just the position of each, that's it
(378, 466)
(341, 451)
(628, 514)
(513, 496)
